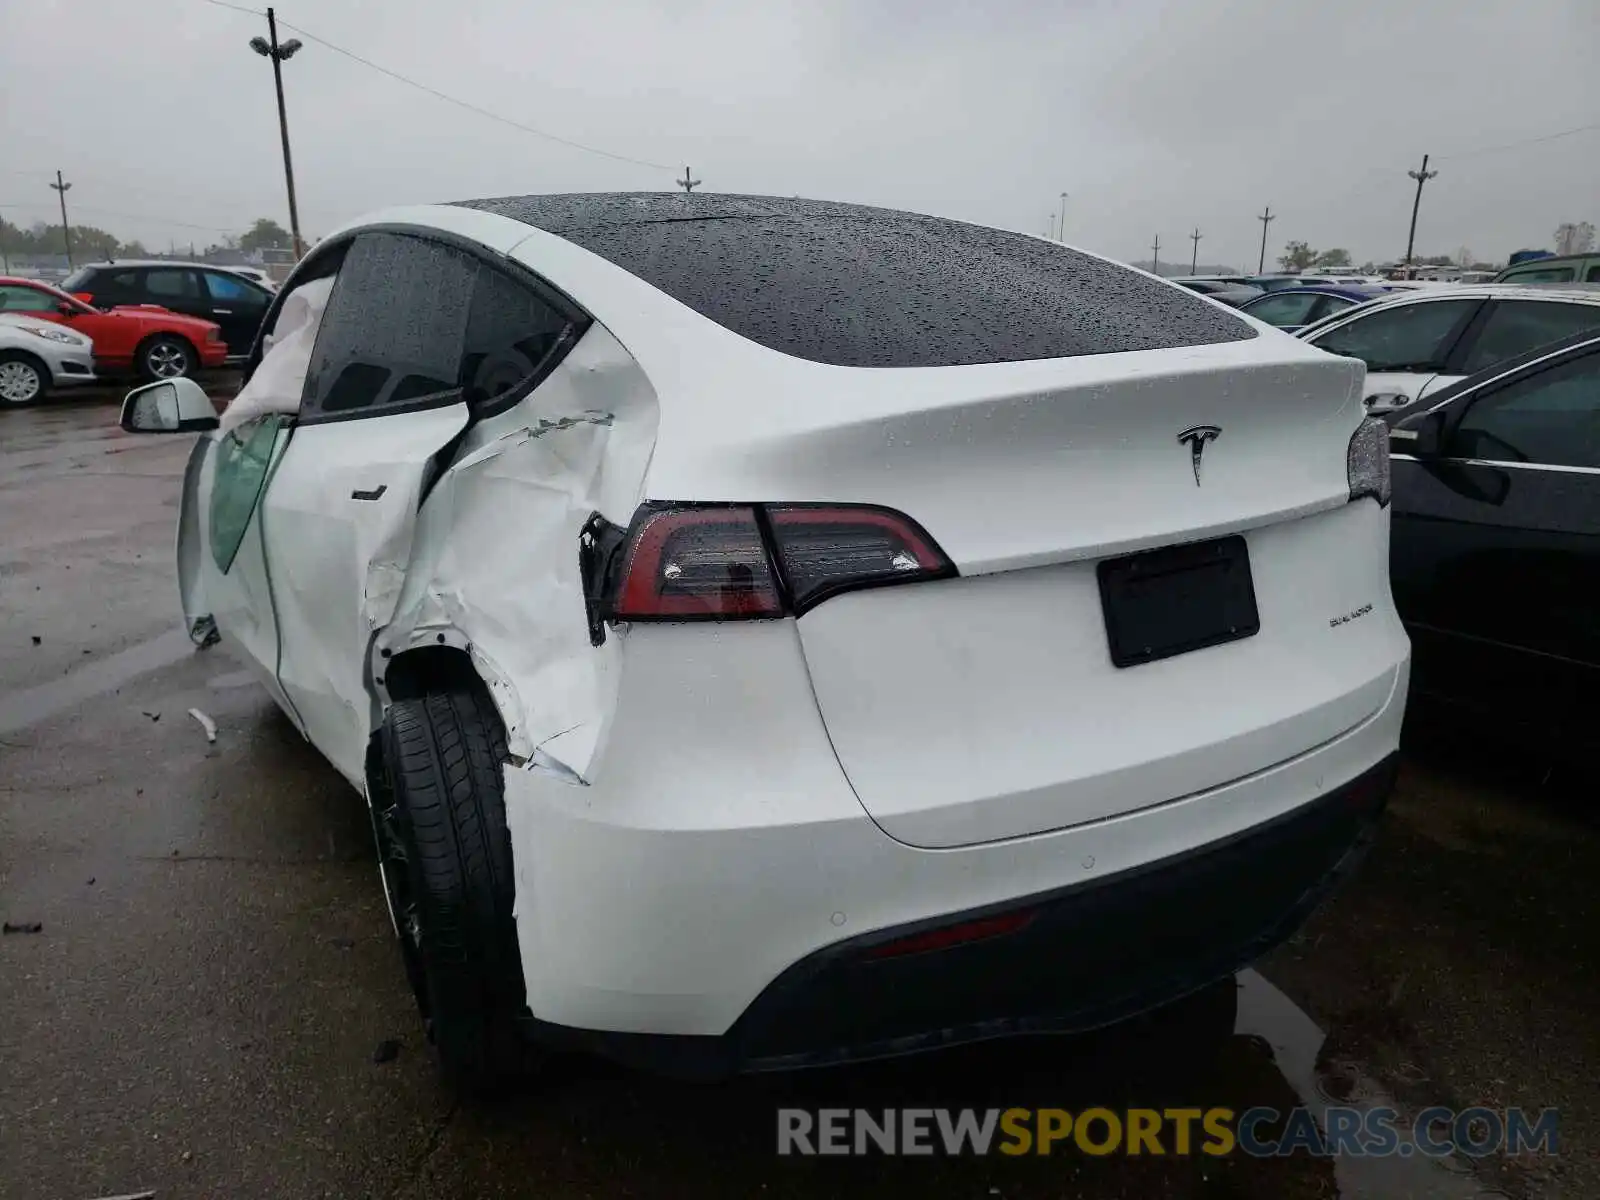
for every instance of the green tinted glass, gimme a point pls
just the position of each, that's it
(244, 457)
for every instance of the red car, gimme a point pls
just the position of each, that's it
(148, 341)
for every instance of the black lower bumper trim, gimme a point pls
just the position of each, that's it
(1091, 954)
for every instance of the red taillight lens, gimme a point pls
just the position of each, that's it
(697, 562)
(824, 550)
(682, 561)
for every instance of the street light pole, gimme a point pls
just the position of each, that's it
(61, 188)
(1061, 235)
(1421, 177)
(271, 49)
(1194, 256)
(1265, 218)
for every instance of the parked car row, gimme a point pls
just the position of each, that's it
(222, 297)
(143, 340)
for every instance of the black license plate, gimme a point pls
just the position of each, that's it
(1177, 599)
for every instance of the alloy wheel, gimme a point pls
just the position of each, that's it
(167, 361)
(20, 382)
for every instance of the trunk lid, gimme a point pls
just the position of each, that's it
(988, 706)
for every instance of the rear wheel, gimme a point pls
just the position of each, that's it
(166, 356)
(439, 812)
(23, 378)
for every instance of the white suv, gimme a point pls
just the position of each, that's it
(770, 632)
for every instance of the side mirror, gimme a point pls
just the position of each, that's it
(169, 406)
(1421, 436)
(68, 310)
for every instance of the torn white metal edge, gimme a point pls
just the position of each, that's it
(206, 723)
(493, 562)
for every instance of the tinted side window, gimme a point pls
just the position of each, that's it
(1552, 417)
(167, 283)
(1594, 274)
(394, 328)
(1517, 326)
(1540, 275)
(509, 334)
(230, 288)
(1329, 306)
(1284, 310)
(15, 298)
(1412, 337)
(111, 287)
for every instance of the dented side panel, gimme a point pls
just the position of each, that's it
(494, 562)
(340, 516)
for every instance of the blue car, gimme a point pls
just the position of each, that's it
(1292, 309)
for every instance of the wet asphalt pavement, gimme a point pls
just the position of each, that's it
(199, 1013)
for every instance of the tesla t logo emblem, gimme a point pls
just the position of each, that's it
(1196, 440)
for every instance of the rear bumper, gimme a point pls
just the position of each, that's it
(1071, 959)
(714, 846)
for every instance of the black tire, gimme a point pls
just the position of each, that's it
(165, 356)
(447, 865)
(21, 363)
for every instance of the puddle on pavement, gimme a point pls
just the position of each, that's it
(1296, 1042)
(32, 705)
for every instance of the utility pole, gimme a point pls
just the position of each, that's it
(1061, 234)
(1155, 256)
(1195, 256)
(60, 187)
(1265, 218)
(687, 183)
(1421, 177)
(279, 54)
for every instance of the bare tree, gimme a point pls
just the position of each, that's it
(1574, 238)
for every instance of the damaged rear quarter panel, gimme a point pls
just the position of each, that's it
(494, 562)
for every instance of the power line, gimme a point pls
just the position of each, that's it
(111, 212)
(1549, 137)
(449, 99)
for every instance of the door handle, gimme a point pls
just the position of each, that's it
(375, 494)
(222, 312)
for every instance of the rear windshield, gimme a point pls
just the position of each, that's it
(863, 287)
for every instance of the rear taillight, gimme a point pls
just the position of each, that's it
(214, 334)
(689, 562)
(827, 549)
(723, 562)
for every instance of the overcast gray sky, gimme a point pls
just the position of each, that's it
(1155, 115)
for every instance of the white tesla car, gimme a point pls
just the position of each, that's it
(36, 356)
(771, 632)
